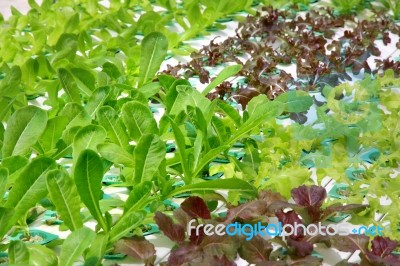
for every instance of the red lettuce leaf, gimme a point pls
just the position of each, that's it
(350, 243)
(248, 211)
(309, 196)
(196, 208)
(256, 250)
(300, 248)
(175, 232)
(137, 247)
(382, 246)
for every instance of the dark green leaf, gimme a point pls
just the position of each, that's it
(52, 134)
(3, 181)
(23, 130)
(295, 101)
(76, 114)
(116, 154)
(18, 253)
(154, 50)
(64, 196)
(75, 244)
(149, 153)
(84, 79)
(137, 196)
(88, 174)
(97, 99)
(69, 85)
(42, 256)
(227, 72)
(138, 120)
(180, 142)
(116, 131)
(97, 250)
(30, 186)
(231, 112)
(231, 184)
(88, 138)
(125, 224)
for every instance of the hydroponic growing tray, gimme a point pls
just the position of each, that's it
(132, 129)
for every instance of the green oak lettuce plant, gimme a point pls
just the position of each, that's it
(364, 131)
(352, 140)
(272, 161)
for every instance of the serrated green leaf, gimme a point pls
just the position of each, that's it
(66, 45)
(23, 130)
(52, 133)
(138, 196)
(207, 158)
(97, 250)
(154, 50)
(88, 174)
(188, 96)
(149, 153)
(172, 99)
(227, 72)
(18, 253)
(6, 215)
(69, 85)
(116, 131)
(96, 100)
(76, 114)
(181, 145)
(84, 79)
(30, 186)
(260, 114)
(116, 154)
(75, 244)
(45, 70)
(88, 138)
(138, 119)
(231, 112)
(64, 196)
(231, 184)
(3, 181)
(41, 256)
(295, 101)
(125, 224)
(29, 73)
(220, 129)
